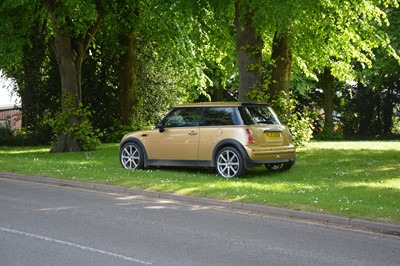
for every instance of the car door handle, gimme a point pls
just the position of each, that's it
(192, 133)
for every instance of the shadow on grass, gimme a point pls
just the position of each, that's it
(354, 183)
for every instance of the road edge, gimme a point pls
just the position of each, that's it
(320, 218)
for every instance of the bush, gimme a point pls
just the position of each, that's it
(298, 120)
(6, 136)
(25, 136)
(81, 127)
(325, 135)
(115, 134)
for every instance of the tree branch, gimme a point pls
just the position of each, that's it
(95, 27)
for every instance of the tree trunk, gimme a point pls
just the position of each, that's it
(70, 65)
(128, 79)
(70, 49)
(388, 111)
(281, 59)
(366, 109)
(326, 81)
(249, 51)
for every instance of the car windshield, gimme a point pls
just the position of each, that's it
(256, 115)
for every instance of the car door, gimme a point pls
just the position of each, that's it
(178, 137)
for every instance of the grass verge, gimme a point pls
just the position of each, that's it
(353, 179)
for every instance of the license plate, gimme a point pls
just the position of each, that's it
(272, 135)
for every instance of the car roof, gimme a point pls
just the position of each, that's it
(220, 104)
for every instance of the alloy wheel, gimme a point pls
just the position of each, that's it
(131, 156)
(229, 163)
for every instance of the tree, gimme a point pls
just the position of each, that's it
(326, 81)
(160, 53)
(321, 38)
(281, 61)
(353, 37)
(162, 57)
(249, 45)
(127, 15)
(70, 43)
(24, 57)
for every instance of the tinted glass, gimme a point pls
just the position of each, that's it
(183, 117)
(255, 115)
(221, 116)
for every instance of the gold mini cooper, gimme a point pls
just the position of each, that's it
(230, 137)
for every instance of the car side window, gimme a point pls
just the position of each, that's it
(183, 117)
(220, 116)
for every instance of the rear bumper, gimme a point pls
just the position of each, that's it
(262, 155)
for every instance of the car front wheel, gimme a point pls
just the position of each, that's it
(131, 156)
(229, 163)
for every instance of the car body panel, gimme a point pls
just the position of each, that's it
(163, 146)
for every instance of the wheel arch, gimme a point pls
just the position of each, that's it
(139, 143)
(235, 144)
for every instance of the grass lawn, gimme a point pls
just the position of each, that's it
(353, 179)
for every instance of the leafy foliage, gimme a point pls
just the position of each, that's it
(186, 52)
(298, 120)
(6, 136)
(25, 136)
(75, 122)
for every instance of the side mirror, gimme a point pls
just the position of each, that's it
(160, 127)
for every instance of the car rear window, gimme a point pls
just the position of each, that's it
(256, 115)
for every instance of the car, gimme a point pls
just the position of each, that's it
(231, 137)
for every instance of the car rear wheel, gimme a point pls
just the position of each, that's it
(278, 167)
(229, 163)
(131, 156)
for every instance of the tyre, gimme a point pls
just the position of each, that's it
(229, 163)
(278, 167)
(131, 156)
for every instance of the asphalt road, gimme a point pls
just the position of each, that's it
(50, 225)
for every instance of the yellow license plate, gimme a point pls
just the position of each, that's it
(272, 135)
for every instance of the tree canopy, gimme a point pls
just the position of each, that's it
(111, 66)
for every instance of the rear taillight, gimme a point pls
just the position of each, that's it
(250, 138)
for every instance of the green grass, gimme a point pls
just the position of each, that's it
(352, 179)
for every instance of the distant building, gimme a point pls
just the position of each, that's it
(10, 116)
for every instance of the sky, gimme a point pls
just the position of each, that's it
(5, 95)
